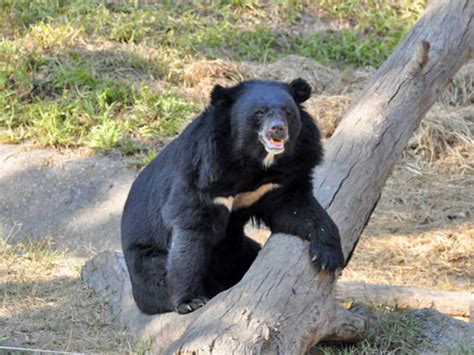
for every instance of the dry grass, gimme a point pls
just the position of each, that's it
(199, 77)
(439, 259)
(289, 68)
(44, 304)
(328, 111)
(461, 90)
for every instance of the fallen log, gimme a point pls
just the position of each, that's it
(282, 305)
(448, 302)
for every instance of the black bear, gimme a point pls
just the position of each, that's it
(249, 155)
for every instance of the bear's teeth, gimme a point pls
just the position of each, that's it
(276, 143)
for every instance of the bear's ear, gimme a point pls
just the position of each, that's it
(220, 95)
(301, 90)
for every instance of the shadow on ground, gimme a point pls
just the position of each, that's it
(76, 201)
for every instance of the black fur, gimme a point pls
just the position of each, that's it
(182, 248)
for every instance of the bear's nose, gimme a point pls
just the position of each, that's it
(277, 129)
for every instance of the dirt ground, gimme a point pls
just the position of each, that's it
(421, 233)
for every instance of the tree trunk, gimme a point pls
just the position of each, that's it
(283, 305)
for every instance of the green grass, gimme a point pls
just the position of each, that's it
(391, 331)
(79, 73)
(385, 18)
(348, 47)
(66, 100)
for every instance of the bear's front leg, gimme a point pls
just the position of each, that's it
(296, 211)
(188, 260)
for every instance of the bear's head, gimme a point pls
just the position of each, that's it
(265, 116)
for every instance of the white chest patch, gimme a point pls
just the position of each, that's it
(269, 159)
(245, 199)
(227, 202)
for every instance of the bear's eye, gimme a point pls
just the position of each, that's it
(260, 112)
(287, 111)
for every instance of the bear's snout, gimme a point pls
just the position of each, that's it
(278, 130)
(274, 134)
(275, 128)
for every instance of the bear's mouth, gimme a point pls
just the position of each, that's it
(273, 146)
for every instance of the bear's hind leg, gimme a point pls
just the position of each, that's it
(147, 269)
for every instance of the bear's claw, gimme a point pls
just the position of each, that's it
(326, 257)
(191, 305)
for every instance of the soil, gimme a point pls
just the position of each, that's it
(74, 200)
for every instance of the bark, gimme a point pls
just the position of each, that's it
(283, 305)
